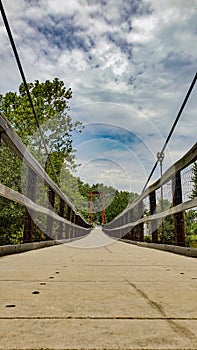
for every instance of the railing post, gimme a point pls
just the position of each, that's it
(153, 204)
(61, 213)
(178, 217)
(126, 222)
(132, 232)
(140, 227)
(80, 224)
(68, 217)
(127, 216)
(68, 213)
(51, 203)
(91, 206)
(73, 218)
(103, 208)
(123, 223)
(28, 216)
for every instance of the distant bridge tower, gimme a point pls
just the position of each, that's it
(103, 205)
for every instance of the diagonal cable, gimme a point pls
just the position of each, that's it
(25, 84)
(172, 128)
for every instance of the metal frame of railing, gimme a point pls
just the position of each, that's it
(67, 217)
(130, 223)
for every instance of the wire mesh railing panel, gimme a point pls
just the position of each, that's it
(165, 204)
(11, 222)
(158, 201)
(190, 225)
(187, 183)
(167, 192)
(146, 205)
(32, 207)
(10, 168)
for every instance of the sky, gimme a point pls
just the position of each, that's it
(129, 64)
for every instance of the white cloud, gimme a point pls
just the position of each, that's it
(62, 6)
(126, 65)
(143, 30)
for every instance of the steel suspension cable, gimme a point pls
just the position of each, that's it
(172, 128)
(26, 85)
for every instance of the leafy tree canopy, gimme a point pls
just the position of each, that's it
(51, 103)
(115, 201)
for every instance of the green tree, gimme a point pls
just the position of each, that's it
(119, 203)
(70, 186)
(50, 101)
(115, 201)
(190, 224)
(191, 215)
(168, 223)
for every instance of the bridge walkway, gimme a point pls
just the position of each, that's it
(98, 294)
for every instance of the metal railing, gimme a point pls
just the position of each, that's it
(45, 212)
(144, 219)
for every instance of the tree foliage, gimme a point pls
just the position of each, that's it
(114, 201)
(50, 100)
(165, 228)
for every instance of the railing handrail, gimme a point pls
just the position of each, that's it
(23, 200)
(189, 158)
(11, 138)
(192, 203)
